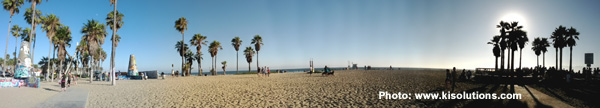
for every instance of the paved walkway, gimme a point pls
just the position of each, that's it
(537, 99)
(72, 98)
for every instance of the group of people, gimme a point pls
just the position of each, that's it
(66, 79)
(265, 71)
(452, 78)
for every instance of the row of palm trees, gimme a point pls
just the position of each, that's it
(88, 49)
(512, 37)
(187, 57)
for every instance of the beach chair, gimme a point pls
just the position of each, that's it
(327, 73)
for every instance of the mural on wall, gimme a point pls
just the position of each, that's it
(23, 69)
(132, 70)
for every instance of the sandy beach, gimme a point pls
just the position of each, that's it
(346, 88)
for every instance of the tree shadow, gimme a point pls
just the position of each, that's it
(538, 104)
(49, 89)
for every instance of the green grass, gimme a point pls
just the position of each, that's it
(245, 73)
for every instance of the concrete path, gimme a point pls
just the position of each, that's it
(72, 98)
(537, 99)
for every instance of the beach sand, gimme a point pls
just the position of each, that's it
(346, 88)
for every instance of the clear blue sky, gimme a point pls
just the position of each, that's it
(401, 33)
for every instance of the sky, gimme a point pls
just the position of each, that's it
(380, 33)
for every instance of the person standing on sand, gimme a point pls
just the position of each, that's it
(448, 82)
(453, 79)
(172, 71)
(268, 72)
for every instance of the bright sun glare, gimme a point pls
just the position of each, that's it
(510, 17)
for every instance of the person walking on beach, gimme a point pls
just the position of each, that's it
(63, 83)
(268, 71)
(258, 71)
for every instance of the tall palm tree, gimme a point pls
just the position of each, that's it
(224, 63)
(571, 36)
(93, 34)
(12, 6)
(503, 43)
(189, 56)
(198, 58)
(249, 52)
(181, 26)
(257, 41)
(558, 37)
(514, 35)
(50, 24)
(537, 48)
(181, 47)
(199, 40)
(63, 41)
(114, 19)
(15, 30)
(28, 18)
(543, 48)
(236, 42)
(33, 21)
(522, 41)
(82, 52)
(496, 50)
(214, 48)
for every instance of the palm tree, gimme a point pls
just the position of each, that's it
(224, 63)
(44, 64)
(249, 52)
(115, 24)
(537, 48)
(93, 34)
(502, 44)
(496, 50)
(33, 21)
(28, 18)
(198, 40)
(63, 41)
(181, 26)
(189, 56)
(181, 47)
(198, 57)
(50, 25)
(522, 41)
(82, 52)
(12, 6)
(558, 37)
(214, 48)
(571, 36)
(15, 30)
(257, 41)
(544, 44)
(236, 42)
(514, 35)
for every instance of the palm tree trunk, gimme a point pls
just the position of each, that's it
(496, 66)
(237, 62)
(53, 57)
(112, 55)
(561, 50)
(248, 66)
(216, 64)
(556, 49)
(257, 60)
(6, 49)
(49, 52)
(32, 32)
(182, 52)
(544, 60)
(502, 61)
(520, 57)
(512, 64)
(538, 61)
(571, 59)
(91, 71)
(32, 49)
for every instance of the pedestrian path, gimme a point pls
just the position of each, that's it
(72, 98)
(537, 99)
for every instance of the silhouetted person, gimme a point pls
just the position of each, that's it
(453, 79)
(448, 80)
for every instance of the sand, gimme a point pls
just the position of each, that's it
(347, 88)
